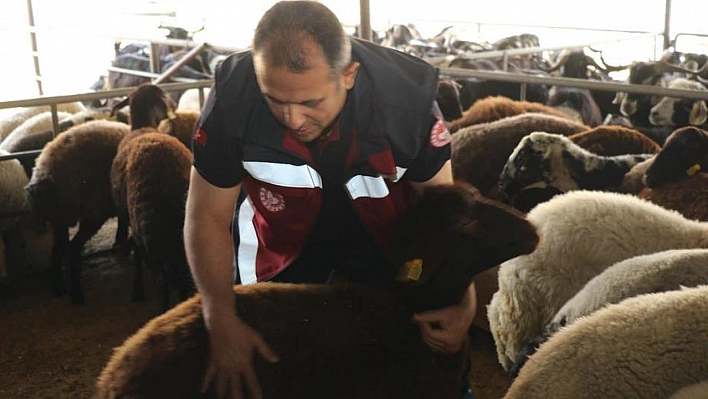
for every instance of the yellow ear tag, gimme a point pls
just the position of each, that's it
(693, 169)
(171, 115)
(413, 269)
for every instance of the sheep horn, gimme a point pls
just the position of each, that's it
(664, 66)
(560, 62)
(611, 68)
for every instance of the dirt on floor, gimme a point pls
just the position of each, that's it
(51, 349)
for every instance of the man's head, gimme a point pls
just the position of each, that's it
(302, 58)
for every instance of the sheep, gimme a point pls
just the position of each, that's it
(576, 102)
(448, 99)
(644, 274)
(342, 340)
(70, 184)
(189, 100)
(474, 90)
(180, 124)
(36, 124)
(149, 106)
(13, 201)
(156, 179)
(7, 125)
(480, 151)
(582, 233)
(34, 136)
(671, 111)
(494, 108)
(649, 346)
(633, 181)
(688, 196)
(614, 140)
(554, 163)
(684, 153)
(695, 391)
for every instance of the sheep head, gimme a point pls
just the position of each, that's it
(149, 104)
(452, 234)
(684, 153)
(671, 111)
(537, 163)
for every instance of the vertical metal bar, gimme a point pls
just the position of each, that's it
(201, 97)
(35, 54)
(154, 57)
(667, 25)
(522, 92)
(505, 61)
(365, 20)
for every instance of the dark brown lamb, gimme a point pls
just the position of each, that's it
(337, 341)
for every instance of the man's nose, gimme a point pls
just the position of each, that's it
(294, 116)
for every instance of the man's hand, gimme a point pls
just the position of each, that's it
(232, 347)
(445, 330)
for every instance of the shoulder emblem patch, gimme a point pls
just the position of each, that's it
(200, 137)
(439, 135)
(273, 202)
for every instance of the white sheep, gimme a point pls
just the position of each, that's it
(7, 125)
(582, 233)
(37, 124)
(649, 346)
(13, 201)
(189, 100)
(644, 274)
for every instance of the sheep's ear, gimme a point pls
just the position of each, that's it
(503, 232)
(699, 113)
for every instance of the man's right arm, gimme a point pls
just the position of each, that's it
(208, 242)
(209, 248)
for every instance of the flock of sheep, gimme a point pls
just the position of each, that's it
(598, 233)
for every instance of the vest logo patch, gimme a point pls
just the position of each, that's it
(272, 201)
(200, 137)
(439, 135)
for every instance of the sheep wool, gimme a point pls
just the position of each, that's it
(649, 346)
(582, 233)
(7, 125)
(644, 274)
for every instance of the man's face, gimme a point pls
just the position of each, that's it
(307, 102)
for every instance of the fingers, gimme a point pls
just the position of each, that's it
(210, 373)
(265, 351)
(440, 339)
(253, 385)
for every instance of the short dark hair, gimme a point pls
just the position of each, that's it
(280, 33)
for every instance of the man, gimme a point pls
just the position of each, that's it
(327, 138)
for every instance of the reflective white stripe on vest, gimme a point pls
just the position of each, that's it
(248, 244)
(367, 186)
(399, 173)
(283, 174)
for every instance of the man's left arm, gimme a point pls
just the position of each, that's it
(444, 330)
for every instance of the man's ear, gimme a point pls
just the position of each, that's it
(349, 75)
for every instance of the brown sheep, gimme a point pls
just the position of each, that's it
(69, 185)
(615, 140)
(684, 154)
(494, 108)
(180, 124)
(156, 179)
(688, 196)
(342, 340)
(479, 152)
(633, 181)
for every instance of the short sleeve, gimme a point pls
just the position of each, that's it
(435, 152)
(216, 151)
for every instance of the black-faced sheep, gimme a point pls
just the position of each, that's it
(479, 152)
(70, 184)
(684, 154)
(649, 346)
(156, 179)
(582, 233)
(494, 108)
(554, 163)
(342, 340)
